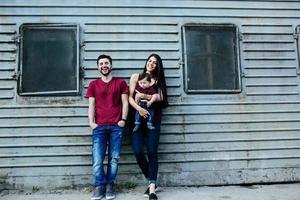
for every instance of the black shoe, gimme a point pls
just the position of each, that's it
(146, 193)
(110, 194)
(153, 196)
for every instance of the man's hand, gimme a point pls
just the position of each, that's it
(93, 125)
(121, 123)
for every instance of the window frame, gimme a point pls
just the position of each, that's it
(63, 26)
(297, 29)
(236, 59)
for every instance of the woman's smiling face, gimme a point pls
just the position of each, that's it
(151, 64)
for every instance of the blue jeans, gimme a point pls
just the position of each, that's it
(108, 136)
(149, 165)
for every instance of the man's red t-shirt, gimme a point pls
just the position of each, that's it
(108, 103)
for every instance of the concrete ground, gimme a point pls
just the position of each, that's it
(253, 192)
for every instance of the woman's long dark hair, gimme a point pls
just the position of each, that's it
(159, 75)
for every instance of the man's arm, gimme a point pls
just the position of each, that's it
(124, 99)
(91, 112)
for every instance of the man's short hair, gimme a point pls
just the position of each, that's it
(104, 56)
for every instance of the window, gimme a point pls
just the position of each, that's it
(49, 59)
(211, 58)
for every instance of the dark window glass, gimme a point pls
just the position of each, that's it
(49, 59)
(211, 58)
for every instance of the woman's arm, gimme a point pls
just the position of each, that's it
(132, 84)
(158, 96)
(155, 97)
(140, 96)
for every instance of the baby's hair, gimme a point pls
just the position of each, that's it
(145, 75)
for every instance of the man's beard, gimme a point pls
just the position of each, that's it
(105, 74)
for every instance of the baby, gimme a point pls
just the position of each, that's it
(143, 86)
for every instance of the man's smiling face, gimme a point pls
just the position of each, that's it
(104, 66)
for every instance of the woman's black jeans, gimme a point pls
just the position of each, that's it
(149, 165)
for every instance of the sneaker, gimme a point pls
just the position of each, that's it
(110, 192)
(153, 196)
(98, 192)
(146, 193)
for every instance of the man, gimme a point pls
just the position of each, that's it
(107, 113)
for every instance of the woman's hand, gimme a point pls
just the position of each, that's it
(138, 96)
(149, 103)
(143, 112)
(153, 99)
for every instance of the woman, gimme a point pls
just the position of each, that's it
(149, 166)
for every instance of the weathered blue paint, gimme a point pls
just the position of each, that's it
(249, 137)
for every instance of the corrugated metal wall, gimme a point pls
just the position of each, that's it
(206, 139)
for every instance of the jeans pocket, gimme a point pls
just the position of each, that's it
(122, 127)
(94, 129)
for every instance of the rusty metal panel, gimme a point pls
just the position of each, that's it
(7, 60)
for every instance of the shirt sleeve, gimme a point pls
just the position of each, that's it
(91, 90)
(124, 87)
